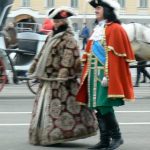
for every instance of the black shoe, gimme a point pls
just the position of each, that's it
(99, 146)
(136, 85)
(143, 81)
(115, 144)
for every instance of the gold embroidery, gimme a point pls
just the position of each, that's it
(89, 75)
(115, 96)
(130, 61)
(118, 54)
(80, 103)
(106, 51)
(95, 84)
(98, 79)
(99, 68)
(83, 59)
(120, 96)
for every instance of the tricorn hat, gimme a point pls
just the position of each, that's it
(108, 3)
(60, 13)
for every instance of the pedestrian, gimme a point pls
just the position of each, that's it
(141, 69)
(85, 33)
(47, 26)
(56, 116)
(10, 36)
(106, 78)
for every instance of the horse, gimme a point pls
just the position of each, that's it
(140, 41)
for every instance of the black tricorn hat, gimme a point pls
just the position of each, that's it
(110, 3)
(106, 3)
(60, 13)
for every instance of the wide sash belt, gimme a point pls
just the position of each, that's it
(99, 51)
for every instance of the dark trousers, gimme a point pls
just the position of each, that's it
(141, 70)
(84, 41)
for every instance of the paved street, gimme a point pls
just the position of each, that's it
(15, 110)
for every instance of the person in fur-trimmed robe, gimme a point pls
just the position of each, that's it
(106, 78)
(56, 115)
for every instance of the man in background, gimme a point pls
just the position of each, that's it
(141, 69)
(85, 33)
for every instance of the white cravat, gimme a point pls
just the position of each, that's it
(98, 33)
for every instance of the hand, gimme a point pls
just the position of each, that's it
(79, 80)
(104, 82)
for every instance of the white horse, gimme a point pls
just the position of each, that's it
(139, 36)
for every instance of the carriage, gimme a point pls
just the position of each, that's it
(14, 62)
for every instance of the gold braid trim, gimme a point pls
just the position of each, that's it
(120, 96)
(110, 48)
(83, 60)
(86, 73)
(118, 54)
(85, 53)
(115, 96)
(106, 50)
(83, 104)
(130, 61)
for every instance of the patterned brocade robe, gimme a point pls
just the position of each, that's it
(116, 68)
(56, 116)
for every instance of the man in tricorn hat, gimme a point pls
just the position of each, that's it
(106, 79)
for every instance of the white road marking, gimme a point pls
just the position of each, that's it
(15, 112)
(135, 123)
(136, 111)
(15, 124)
(18, 99)
(121, 123)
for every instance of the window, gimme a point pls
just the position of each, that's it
(49, 3)
(74, 3)
(143, 3)
(25, 3)
(122, 3)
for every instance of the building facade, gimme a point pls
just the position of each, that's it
(131, 10)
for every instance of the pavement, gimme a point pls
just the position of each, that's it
(16, 103)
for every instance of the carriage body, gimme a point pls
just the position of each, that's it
(29, 45)
(5, 6)
(17, 61)
(14, 63)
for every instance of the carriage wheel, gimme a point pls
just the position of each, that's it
(33, 85)
(3, 77)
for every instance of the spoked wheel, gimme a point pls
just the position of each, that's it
(3, 77)
(33, 85)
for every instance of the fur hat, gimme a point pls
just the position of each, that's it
(60, 13)
(108, 3)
